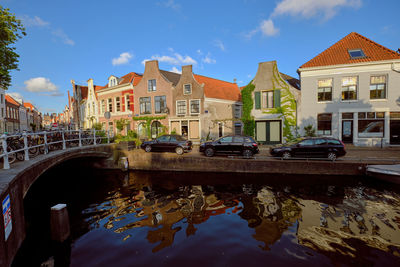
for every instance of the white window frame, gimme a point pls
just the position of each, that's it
(109, 101)
(127, 103)
(264, 105)
(185, 90)
(190, 106)
(103, 106)
(153, 87)
(341, 89)
(177, 107)
(117, 102)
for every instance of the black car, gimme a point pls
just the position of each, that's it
(316, 147)
(243, 145)
(168, 142)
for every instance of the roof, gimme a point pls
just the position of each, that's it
(171, 76)
(131, 77)
(11, 100)
(290, 80)
(29, 105)
(214, 88)
(84, 91)
(338, 53)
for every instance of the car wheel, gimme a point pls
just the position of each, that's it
(209, 152)
(247, 153)
(286, 155)
(332, 156)
(147, 148)
(179, 150)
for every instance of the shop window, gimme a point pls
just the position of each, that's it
(371, 124)
(324, 124)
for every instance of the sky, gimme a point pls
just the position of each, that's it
(224, 39)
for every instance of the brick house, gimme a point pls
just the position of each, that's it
(204, 107)
(12, 115)
(351, 92)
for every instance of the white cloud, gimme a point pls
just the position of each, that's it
(33, 22)
(199, 52)
(174, 69)
(219, 44)
(123, 58)
(175, 59)
(311, 8)
(268, 29)
(40, 85)
(171, 4)
(251, 33)
(209, 60)
(63, 36)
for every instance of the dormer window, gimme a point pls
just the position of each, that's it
(187, 89)
(113, 82)
(356, 53)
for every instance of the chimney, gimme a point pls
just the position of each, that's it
(234, 80)
(187, 69)
(151, 66)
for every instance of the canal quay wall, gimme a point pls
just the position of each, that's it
(15, 183)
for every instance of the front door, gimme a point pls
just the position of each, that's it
(268, 132)
(347, 132)
(395, 132)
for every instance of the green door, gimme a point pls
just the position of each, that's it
(269, 132)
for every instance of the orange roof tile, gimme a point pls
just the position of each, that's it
(29, 105)
(338, 53)
(11, 100)
(128, 78)
(214, 88)
(84, 92)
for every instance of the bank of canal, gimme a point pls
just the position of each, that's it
(212, 219)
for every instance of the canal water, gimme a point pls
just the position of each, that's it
(211, 219)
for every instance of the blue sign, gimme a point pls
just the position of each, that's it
(7, 216)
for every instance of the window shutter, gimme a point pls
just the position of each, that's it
(257, 100)
(277, 98)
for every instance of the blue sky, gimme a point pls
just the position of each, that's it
(76, 39)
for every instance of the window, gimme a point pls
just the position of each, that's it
(103, 106)
(320, 142)
(187, 89)
(110, 105)
(160, 104)
(2, 112)
(371, 124)
(307, 142)
(377, 87)
(113, 82)
(325, 90)
(227, 139)
(145, 105)
(128, 102)
(324, 124)
(238, 111)
(238, 128)
(181, 107)
(195, 106)
(349, 88)
(2, 98)
(151, 85)
(118, 103)
(356, 53)
(267, 99)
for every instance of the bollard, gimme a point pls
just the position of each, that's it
(123, 163)
(80, 139)
(6, 164)
(25, 146)
(46, 146)
(94, 136)
(63, 137)
(108, 136)
(59, 223)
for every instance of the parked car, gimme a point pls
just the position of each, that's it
(316, 147)
(243, 145)
(168, 142)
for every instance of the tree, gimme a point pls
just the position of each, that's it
(11, 29)
(121, 123)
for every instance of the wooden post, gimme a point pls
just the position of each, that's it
(59, 223)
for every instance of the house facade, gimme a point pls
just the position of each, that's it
(2, 110)
(117, 98)
(154, 100)
(276, 104)
(204, 107)
(79, 108)
(12, 115)
(351, 91)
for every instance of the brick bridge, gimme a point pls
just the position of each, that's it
(15, 183)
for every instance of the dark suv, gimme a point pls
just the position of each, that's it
(168, 142)
(316, 147)
(243, 145)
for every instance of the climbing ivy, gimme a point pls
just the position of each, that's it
(148, 120)
(247, 118)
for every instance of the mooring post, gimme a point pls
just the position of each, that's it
(94, 136)
(108, 136)
(63, 137)
(6, 164)
(59, 223)
(46, 146)
(80, 137)
(26, 146)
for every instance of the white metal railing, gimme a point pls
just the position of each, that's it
(28, 145)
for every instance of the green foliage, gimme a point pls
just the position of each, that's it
(11, 29)
(148, 120)
(173, 131)
(131, 136)
(101, 134)
(97, 126)
(121, 123)
(309, 131)
(247, 118)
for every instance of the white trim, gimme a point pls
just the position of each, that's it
(117, 88)
(191, 88)
(208, 99)
(381, 62)
(190, 106)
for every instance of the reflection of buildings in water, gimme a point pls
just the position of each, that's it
(268, 215)
(365, 215)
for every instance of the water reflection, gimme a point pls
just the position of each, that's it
(339, 222)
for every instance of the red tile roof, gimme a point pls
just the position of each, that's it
(11, 100)
(338, 53)
(84, 91)
(29, 105)
(214, 88)
(128, 78)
